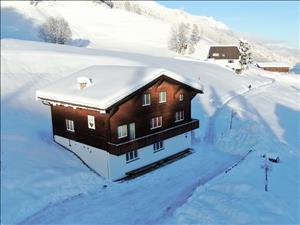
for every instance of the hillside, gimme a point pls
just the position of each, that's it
(136, 26)
(221, 182)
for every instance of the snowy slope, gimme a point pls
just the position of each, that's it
(52, 180)
(44, 184)
(144, 30)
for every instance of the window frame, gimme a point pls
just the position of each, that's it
(90, 117)
(70, 125)
(179, 116)
(156, 122)
(131, 156)
(160, 97)
(120, 130)
(181, 97)
(144, 99)
(158, 146)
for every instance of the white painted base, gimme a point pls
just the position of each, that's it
(115, 167)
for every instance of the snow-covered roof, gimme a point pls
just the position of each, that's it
(272, 64)
(109, 84)
(235, 46)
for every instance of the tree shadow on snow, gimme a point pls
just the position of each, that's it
(15, 25)
(289, 120)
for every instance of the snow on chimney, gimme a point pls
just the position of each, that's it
(84, 82)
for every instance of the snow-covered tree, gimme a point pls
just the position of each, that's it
(246, 55)
(179, 38)
(107, 2)
(55, 30)
(194, 39)
(195, 35)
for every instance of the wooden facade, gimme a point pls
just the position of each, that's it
(130, 110)
(276, 69)
(224, 52)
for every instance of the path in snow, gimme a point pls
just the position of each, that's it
(166, 188)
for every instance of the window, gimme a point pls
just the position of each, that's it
(181, 97)
(162, 96)
(179, 116)
(158, 146)
(223, 55)
(122, 131)
(131, 156)
(91, 122)
(70, 125)
(146, 99)
(156, 122)
(216, 54)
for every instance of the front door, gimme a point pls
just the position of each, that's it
(132, 131)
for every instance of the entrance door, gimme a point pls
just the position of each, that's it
(132, 131)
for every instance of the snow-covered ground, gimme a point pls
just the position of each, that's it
(40, 179)
(41, 183)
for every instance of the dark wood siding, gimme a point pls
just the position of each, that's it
(129, 111)
(133, 111)
(277, 69)
(225, 52)
(83, 134)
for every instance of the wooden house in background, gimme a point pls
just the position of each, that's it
(118, 119)
(226, 55)
(274, 66)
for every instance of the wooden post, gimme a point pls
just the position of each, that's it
(231, 117)
(266, 177)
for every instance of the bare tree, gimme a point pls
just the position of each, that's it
(179, 40)
(55, 30)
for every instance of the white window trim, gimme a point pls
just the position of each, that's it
(180, 116)
(70, 125)
(159, 97)
(144, 98)
(181, 97)
(92, 120)
(157, 117)
(124, 135)
(158, 149)
(133, 158)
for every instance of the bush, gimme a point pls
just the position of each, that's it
(55, 30)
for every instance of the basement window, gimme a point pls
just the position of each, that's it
(215, 54)
(70, 125)
(158, 146)
(131, 156)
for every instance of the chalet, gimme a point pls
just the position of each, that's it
(117, 119)
(226, 55)
(274, 66)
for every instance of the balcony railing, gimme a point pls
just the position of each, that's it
(121, 148)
